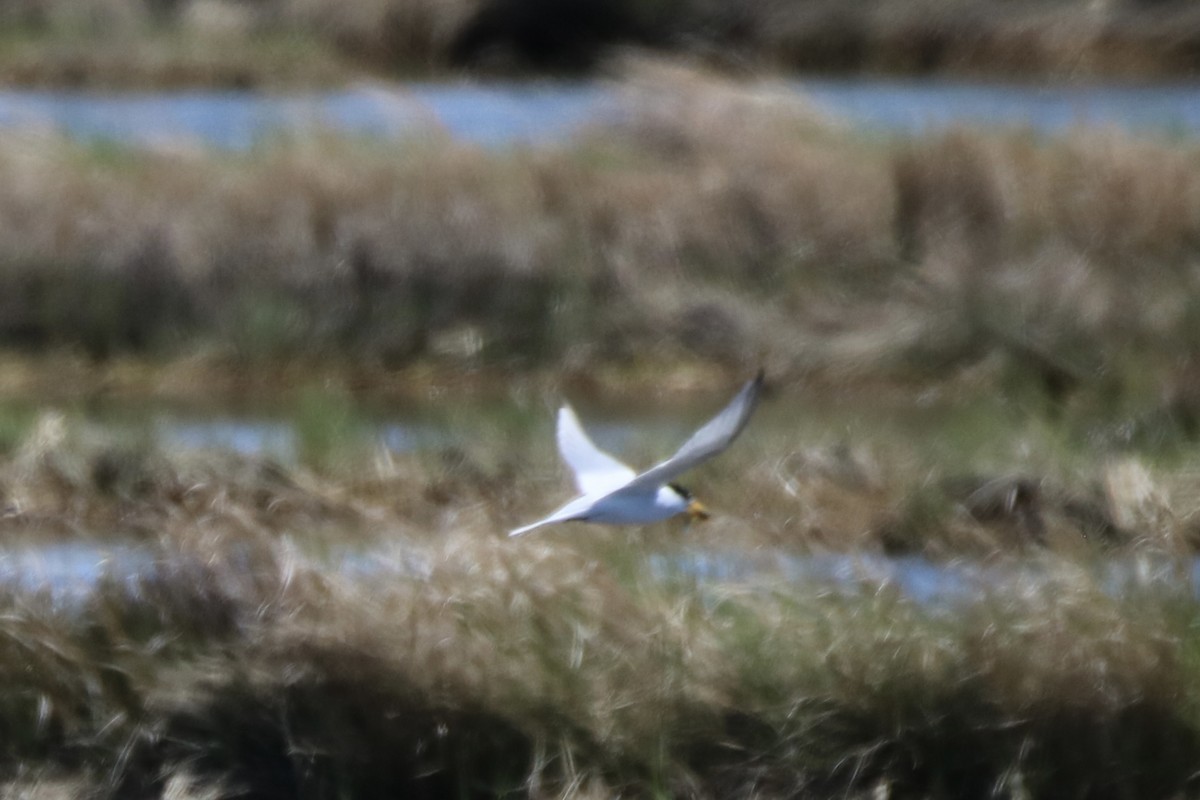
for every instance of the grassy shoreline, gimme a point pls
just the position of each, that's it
(243, 657)
(536, 668)
(977, 480)
(713, 223)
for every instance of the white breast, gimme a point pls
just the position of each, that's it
(631, 508)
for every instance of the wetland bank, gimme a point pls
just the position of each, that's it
(954, 553)
(354, 622)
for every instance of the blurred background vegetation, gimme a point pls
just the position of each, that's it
(245, 43)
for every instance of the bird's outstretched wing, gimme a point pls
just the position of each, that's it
(717, 434)
(601, 476)
(572, 510)
(595, 470)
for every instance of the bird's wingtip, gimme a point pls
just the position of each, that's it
(755, 384)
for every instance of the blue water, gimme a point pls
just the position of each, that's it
(497, 114)
(277, 438)
(68, 573)
(915, 577)
(915, 106)
(488, 115)
(246, 437)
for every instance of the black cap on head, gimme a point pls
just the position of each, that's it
(681, 491)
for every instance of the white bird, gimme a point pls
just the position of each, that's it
(612, 493)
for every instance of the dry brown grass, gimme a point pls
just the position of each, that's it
(532, 667)
(363, 628)
(710, 222)
(1057, 39)
(222, 43)
(989, 491)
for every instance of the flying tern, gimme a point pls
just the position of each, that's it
(612, 493)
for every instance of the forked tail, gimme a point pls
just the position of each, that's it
(527, 528)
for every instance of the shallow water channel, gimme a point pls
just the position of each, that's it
(502, 113)
(69, 573)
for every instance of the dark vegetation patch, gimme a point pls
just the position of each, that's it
(242, 44)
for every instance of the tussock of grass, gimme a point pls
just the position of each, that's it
(69, 480)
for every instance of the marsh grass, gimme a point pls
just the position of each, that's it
(806, 479)
(328, 427)
(16, 419)
(136, 43)
(325, 629)
(533, 667)
(707, 223)
(164, 58)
